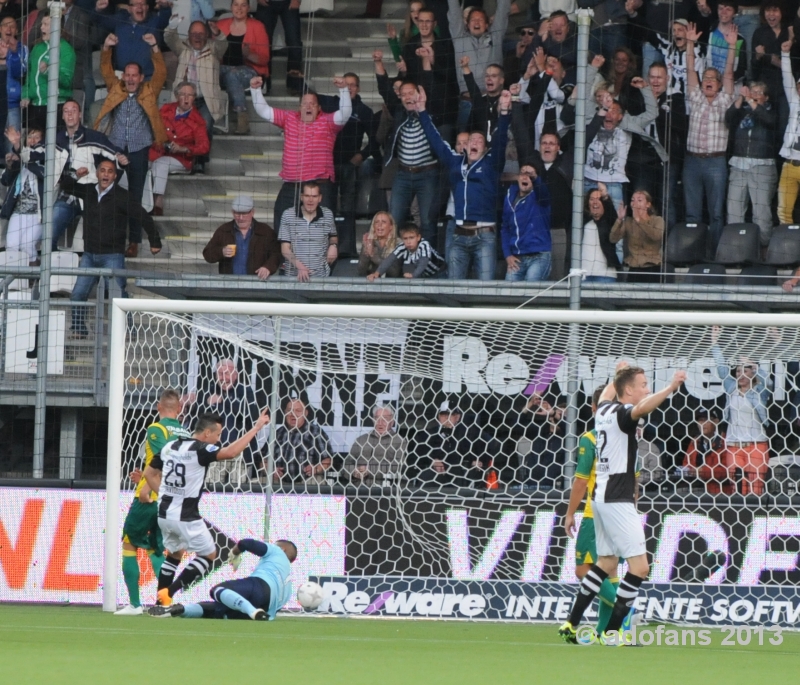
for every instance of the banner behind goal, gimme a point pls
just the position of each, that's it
(411, 449)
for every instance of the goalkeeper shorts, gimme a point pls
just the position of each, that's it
(618, 529)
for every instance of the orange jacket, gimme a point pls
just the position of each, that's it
(255, 37)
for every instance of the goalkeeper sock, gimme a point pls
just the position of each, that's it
(607, 597)
(627, 592)
(156, 561)
(192, 611)
(167, 573)
(194, 571)
(590, 586)
(233, 600)
(130, 571)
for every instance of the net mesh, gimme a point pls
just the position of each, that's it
(428, 449)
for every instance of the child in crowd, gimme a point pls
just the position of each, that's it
(417, 256)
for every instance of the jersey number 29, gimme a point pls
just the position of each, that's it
(175, 475)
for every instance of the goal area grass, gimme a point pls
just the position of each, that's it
(70, 645)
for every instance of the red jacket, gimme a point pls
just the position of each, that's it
(255, 36)
(188, 132)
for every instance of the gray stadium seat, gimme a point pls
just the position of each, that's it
(738, 245)
(686, 244)
(784, 246)
(706, 274)
(758, 274)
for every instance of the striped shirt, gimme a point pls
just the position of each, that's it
(422, 262)
(309, 239)
(707, 131)
(413, 148)
(131, 129)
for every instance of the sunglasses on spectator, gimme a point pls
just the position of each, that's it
(527, 32)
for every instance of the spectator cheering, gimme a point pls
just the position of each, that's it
(106, 210)
(309, 137)
(14, 54)
(302, 450)
(247, 57)
(309, 243)
(377, 454)
(526, 228)
(131, 120)
(416, 256)
(707, 457)
(34, 92)
(598, 257)
(378, 243)
(643, 234)
(244, 246)
(186, 140)
(790, 151)
(475, 181)
(130, 26)
(288, 11)
(485, 105)
(78, 150)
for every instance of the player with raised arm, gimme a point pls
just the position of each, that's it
(140, 530)
(259, 596)
(178, 474)
(618, 529)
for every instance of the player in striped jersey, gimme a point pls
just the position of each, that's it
(617, 526)
(416, 255)
(178, 474)
(260, 596)
(140, 530)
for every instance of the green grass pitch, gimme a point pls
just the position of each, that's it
(70, 645)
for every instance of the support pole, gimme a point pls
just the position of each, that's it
(47, 207)
(274, 405)
(574, 342)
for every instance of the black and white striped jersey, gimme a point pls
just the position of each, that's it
(183, 464)
(617, 450)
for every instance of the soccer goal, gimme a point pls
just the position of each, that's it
(422, 458)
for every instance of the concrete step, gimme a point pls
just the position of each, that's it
(192, 186)
(220, 205)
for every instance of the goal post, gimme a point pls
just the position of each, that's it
(493, 382)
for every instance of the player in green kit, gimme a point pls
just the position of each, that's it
(141, 530)
(585, 548)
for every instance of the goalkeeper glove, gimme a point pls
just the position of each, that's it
(235, 561)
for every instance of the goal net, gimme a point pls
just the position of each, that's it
(422, 459)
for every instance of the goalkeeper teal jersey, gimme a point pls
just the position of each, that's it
(274, 569)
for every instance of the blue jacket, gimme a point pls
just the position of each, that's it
(526, 224)
(16, 68)
(131, 47)
(474, 186)
(757, 396)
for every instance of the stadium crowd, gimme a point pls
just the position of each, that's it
(692, 120)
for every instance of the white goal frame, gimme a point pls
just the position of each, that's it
(117, 359)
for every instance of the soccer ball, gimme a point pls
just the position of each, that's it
(310, 595)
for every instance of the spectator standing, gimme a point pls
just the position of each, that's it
(707, 457)
(199, 63)
(752, 119)
(288, 11)
(544, 85)
(747, 417)
(717, 50)
(244, 246)
(309, 136)
(675, 56)
(379, 242)
(14, 54)
(558, 36)
(417, 173)
(410, 29)
(478, 40)
(512, 61)
(545, 463)
(475, 181)
(416, 257)
(34, 92)
(609, 25)
(643, 234)
(377, 454)
(78, 150)
(130, 28)
(790, 151)
(598, 256)
(350, 153)
(106, 209)
(76, 29)
(23, 204)
(130, 118)
(767, 41)
(525, 231)
(705, 171)
(247, 57)
(187, 140)
(309, 242)
(302, 449)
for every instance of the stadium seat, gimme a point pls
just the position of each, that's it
(63, 260)
(345, 268)
(758, 274)
(784, 246)
(738, 245)
(686, 244)
(705, 274)
(12, 259)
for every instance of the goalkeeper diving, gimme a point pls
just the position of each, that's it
(259, 596)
